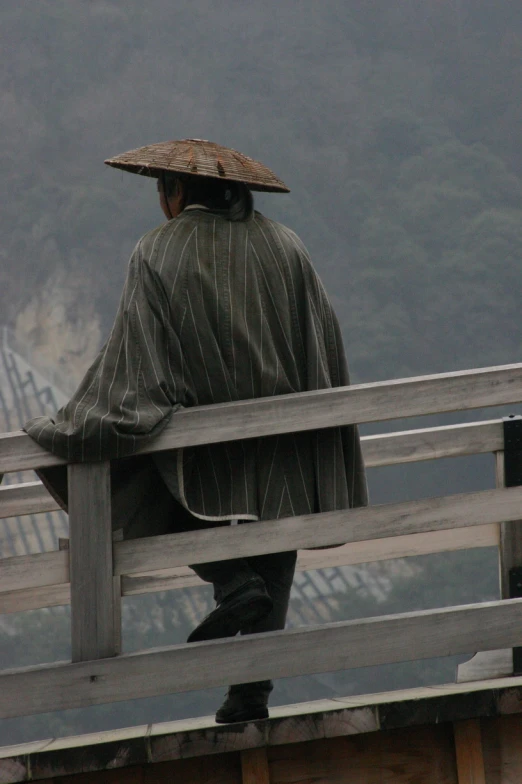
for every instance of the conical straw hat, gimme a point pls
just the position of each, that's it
(198, 157)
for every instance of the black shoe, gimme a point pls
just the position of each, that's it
(245, 702)
(244, 713)
(245, 606)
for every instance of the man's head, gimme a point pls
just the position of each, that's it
(177, 191)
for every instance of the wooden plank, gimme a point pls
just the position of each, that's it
(254, 766)
(17, 500)
(319, 530)
(303, 651)
(416, 755)
(503, 749)
(468, 749)
(463, 390)
(34, 571)
(93, 614)
(487, 664)
(19, 452)
(34, 598)
(348, 555)
(383, 449)
(49, 595)
(409, 446)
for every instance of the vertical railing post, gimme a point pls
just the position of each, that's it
(95, 610)
(509, 474)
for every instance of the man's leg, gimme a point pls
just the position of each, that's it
(239, 591)
(248, 701)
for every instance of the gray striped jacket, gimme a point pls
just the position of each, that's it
(215, 311)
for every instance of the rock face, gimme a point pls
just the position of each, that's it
(60, 327)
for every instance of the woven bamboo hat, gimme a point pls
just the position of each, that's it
(200, 158)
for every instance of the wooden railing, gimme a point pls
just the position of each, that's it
(94, 572)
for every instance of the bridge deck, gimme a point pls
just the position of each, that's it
(423, 730)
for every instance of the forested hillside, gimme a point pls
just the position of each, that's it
(396, 125)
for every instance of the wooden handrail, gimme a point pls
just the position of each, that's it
(326, 648)
(376, 402)
(96, 571)
(378, 450)
(50, 580)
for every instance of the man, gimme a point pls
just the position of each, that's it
(220, 304)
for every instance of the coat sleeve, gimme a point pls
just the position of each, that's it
(132, 388)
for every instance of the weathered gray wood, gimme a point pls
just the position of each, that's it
(348, 555)
(319, 530)
(34, 598)
(328, 648)
(24, 499)
(432, 443)
(93, 629)
(384, 449)
(49, 595)
(487, 664)
(375, 402)
(19, 452)
(34, 571)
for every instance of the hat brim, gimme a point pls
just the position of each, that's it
(199, 158)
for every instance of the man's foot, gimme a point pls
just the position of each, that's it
(243, 607)
(245, 702)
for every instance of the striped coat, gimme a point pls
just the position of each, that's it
(215, 311)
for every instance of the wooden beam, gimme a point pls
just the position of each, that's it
(254, 766)
(17, 500)
(348, 555)
(319, 530)
(379, 450)
(486, 665)
(34, 598)
(377, 402)
(432, 443)
(20, 572)
(469, 753)
(303, 651)
(50, 595)
(93, 612)
(18, 452)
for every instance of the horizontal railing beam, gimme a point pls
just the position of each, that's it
(316, 649)
(318, 530)
(379, 450)
(347, 555)
(422, 395)
(433, 443)
(21, 572)
(17, 500)
(156, 553)
(51, 595)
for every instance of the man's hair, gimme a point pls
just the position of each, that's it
(231, 199)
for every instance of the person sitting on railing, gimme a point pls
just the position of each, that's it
(220, 304)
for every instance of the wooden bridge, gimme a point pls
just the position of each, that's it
(439, 741)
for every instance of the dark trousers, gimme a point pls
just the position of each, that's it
(276, 570)
(142, 506)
